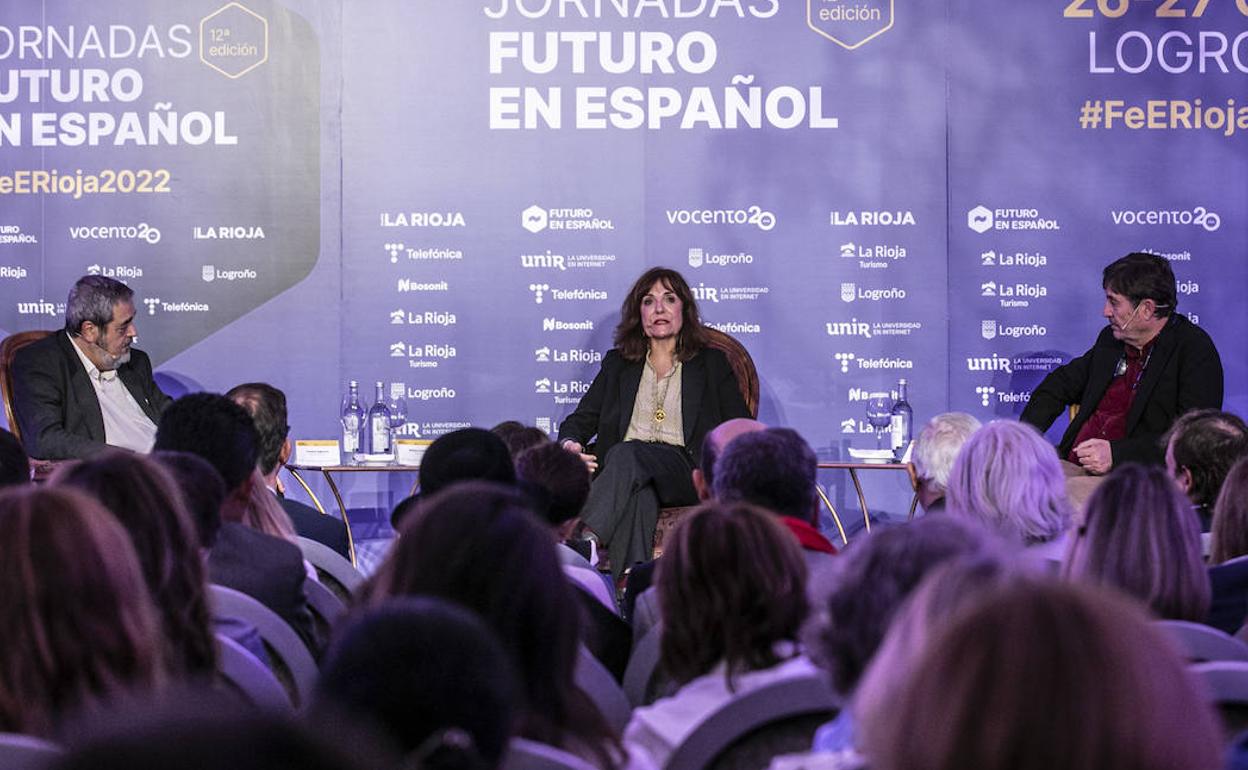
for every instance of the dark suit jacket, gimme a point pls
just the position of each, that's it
(55, 403)
(709, 396)
(314, 525)
(1184, 373)
(1228, 583)
(268, 569)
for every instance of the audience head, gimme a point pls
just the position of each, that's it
(1041, 675)
(731, 584)
(430, 674)
(144, 498)
(1229, 535)
(1201, 447)
(479, 544)
(466, 454)
(1140, 277)
(218, 430)
(560, 475)
(1008, 477)
(78, 621)
(630, 337)
(712, 446)
(871, 580)
(14, 464)
(202, 490)
(524, 438)
(935, 449)
(267, 407)
(1140, 536)
(773, 469)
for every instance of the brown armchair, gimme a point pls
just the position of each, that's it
(8, 349)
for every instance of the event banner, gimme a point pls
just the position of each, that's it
(453, 198)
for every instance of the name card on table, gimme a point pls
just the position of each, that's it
(317, 453)
(411, 450)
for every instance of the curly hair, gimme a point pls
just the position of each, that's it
(146, 500)
(731, 583)
(630, 339)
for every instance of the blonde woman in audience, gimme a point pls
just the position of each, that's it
(1140, 536)
(1008, 478)
(1228, 552)
(732, 593)
(145, 499)
(1041, 675)
(79, 625)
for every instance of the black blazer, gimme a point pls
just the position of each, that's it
(314, 525)
(1184, 373)
(55, 403)
(709, 396)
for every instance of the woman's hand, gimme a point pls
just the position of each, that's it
(575, 447)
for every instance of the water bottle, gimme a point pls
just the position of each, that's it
(352, 421)
(901, 422)
(379, 424)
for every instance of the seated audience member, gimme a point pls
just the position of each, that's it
(79, 624)
(869, 584)
(1200, 449)
(1228, 549)
(1007, 477)
(211, 730)
(84, 388)
(427, 673)
(1044, 675)
(641, 576)
(14, 464)
(267, 568)
(479, 544)
(732, 585)
(935, 449)
(203, 491)
(467, 454)
(267, 406)
(559, 482)
(145, 499)
(518, 437)
(1140, 536)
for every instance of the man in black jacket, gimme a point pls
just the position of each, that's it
(1149, 366)
(84, 388)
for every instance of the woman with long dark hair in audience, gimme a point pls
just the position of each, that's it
(480, 545)
(1228, 552)
(1041, 675)
(659, 391)
(78, 622)
(732, 593)
(1140, 535)
(142, 495)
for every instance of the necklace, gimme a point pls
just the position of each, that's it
(660, 398)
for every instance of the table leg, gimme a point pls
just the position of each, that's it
(835, 517)
(329, 479)
(862, 499)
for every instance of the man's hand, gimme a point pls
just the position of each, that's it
(574, 447)
(1095, 456)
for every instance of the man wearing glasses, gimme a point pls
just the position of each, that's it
(84, 388)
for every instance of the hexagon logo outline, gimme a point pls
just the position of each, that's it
(534, 219)
(810, 22)
(264, 24)
(979, 219)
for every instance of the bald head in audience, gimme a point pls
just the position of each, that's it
(713, 445)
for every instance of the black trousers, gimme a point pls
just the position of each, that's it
(637, 478)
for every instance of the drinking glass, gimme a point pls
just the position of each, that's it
(879, 413)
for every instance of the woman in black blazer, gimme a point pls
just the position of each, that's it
(657, 395)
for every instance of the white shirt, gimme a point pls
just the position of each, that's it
(125, 423)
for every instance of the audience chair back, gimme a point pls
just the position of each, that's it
(643, 664)
(325, 605)
(742, 365)
(523, 754)
(1199, 643)
(244, 672)
(24, 752)
(286, 650)
(8, 349)
(593, 679)
(747, 715)
(335, 572)
(1227, 685)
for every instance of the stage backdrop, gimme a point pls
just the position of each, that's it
(453, 197)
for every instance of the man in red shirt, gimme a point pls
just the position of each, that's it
(1148, 366)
